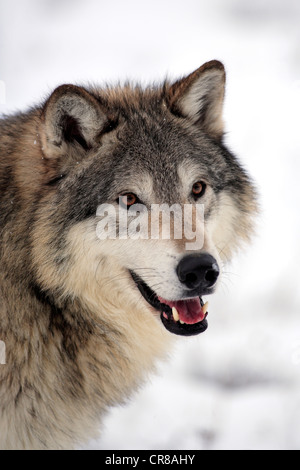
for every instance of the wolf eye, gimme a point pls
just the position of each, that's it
(127, 200)
(199, 189)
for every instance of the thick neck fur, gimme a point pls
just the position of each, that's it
(64, 368)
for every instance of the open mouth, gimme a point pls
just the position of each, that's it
(181, 317)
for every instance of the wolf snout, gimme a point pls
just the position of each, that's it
(198, 271)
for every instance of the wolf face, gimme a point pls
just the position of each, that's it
(84, 316)
(160, 146)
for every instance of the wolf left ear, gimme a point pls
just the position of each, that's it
(200, 97)
(71, 117)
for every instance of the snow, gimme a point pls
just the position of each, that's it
(236, 386)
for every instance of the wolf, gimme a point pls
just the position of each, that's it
(84, 319)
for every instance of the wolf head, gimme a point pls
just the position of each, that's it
(123, 146)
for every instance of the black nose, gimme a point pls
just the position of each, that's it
(198, 271)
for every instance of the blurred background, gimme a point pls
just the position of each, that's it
(236, 386)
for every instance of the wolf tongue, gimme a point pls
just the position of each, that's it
(189, 311)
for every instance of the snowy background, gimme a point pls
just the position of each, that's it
(237, 386)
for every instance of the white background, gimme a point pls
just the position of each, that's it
(236, 386)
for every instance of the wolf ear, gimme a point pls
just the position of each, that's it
(200, 97)
(71, 117)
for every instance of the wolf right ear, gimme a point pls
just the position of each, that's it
(200, 97)
(71, 117)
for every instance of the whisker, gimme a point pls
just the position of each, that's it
(231, 273)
